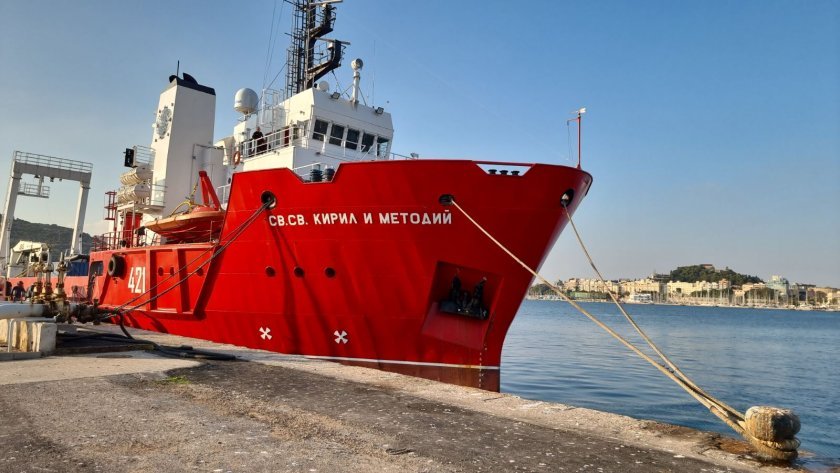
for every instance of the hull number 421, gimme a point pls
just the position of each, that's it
(137, 279)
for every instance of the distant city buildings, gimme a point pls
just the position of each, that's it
(777, 292)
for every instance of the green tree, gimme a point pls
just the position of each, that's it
(698, 273)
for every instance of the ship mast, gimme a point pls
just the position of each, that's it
(305, 62)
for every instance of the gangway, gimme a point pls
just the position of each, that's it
(42, 167)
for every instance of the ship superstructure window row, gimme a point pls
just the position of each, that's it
(319, 131)
(341, 135)
(352, 140)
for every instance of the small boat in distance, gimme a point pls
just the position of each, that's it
(640, 298)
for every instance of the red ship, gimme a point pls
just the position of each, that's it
(320, 241)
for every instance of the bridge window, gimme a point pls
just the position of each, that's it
(382, 147)
(336, 134)
(367, 142)
(352, 141)
(320, 130)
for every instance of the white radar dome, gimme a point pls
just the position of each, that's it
(357, 64)
(246, 101)
(324, 86)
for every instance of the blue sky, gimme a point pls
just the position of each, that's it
(713, 128)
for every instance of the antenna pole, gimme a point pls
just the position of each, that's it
(178, 68)
(580, 113)
(579, 122)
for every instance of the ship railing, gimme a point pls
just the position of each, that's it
(157, 198)
(34, 190)
(144, 155)
(325, 143)
(310, 172)
(117, 240)
(98, 243)
(271, 109)
(397, 157)
(295, 136)
(339, 153)
(121, 239)
(273, 140)
(52, 162)
(109, 241)
(223, 192)
(347, 154)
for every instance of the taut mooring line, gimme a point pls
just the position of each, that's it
(770, 430)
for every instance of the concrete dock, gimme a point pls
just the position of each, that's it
(139, 412)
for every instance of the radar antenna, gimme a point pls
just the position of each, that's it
(305, 62)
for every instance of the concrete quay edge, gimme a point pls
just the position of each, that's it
(720, 453)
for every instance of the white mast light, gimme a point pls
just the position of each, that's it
(357, 65)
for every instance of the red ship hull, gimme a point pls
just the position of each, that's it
(355, 270)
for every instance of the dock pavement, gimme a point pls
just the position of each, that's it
(139, 412)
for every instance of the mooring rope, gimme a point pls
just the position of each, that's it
(717, 403)
(770, 430)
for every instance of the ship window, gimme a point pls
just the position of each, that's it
(367, 142)
(320, 130)
(352, 141)
(336, 134)
(382, 147)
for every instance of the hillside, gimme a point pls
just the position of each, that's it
(709, 273)
(57, 237)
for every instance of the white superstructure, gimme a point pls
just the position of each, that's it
(182, 142)
(315, 129)
(307, 128)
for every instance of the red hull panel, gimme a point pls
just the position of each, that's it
(355, 269)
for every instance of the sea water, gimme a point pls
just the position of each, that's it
(744, 357)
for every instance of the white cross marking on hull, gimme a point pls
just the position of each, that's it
(340, 337)
(266, 333)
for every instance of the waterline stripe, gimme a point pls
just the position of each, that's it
(399, 362)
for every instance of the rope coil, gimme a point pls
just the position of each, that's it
(771, 431)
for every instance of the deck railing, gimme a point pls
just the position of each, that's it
(122, 239)
(52, 162)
